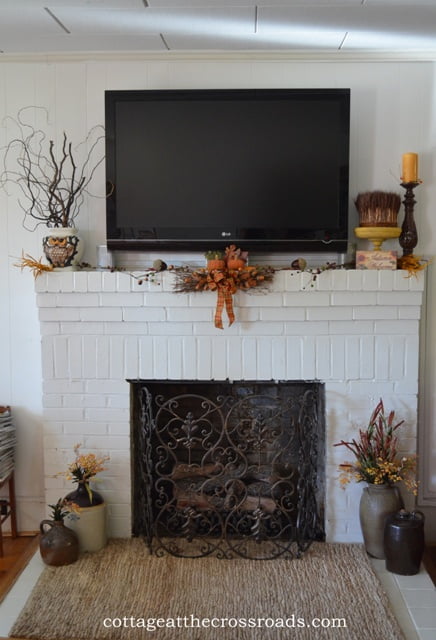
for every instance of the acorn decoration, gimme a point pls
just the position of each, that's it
(160, 265)
(299, 263)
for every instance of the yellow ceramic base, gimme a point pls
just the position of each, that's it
(377, 235)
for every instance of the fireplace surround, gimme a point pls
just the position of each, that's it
(356, 332)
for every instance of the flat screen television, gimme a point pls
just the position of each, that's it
(266, 169)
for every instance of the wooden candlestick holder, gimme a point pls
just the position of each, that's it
(409, 237)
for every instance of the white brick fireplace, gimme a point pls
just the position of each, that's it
(355, 331)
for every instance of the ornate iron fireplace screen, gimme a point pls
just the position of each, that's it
(229, 469)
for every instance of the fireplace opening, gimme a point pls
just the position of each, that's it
(232, 469)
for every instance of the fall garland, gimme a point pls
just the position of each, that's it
(225, 282)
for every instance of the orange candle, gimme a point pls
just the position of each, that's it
(410, 167)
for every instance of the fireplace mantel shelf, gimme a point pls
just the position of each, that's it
(284, 280)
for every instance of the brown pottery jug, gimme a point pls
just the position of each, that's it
(58, 544)
(404, 542)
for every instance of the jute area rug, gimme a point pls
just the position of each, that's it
(123, 593)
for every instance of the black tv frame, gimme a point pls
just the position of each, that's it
(306, 240)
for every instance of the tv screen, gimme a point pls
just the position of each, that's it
(198, 169)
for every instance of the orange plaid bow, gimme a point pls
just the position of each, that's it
(225, 282)
(225, 287)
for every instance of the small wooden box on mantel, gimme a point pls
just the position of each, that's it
(376, 260)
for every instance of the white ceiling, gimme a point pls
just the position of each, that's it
(108, 26)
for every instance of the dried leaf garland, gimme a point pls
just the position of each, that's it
(225, 282)
(36, 266)
(412, 264)
(190, 280)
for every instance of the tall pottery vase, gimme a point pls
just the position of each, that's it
(378, 501)
(63, 248)
(90, 525)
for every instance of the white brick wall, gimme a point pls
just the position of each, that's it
(357, 331)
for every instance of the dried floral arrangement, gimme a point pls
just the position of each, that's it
(84, 467)
(378, 208)
(376, 452)
(226, 282)
(36, 266)
(412, 264)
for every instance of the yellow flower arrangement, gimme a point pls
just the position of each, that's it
(376, 452)
(85, 467)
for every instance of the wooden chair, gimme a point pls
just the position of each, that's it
(7, 505)
(8, 508)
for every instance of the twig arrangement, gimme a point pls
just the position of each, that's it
(52, 181)
(378, 208)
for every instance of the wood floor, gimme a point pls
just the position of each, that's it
(17, 553)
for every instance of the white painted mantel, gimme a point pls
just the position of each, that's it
(356, 331)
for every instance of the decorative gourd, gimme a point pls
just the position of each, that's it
(235, 263)
(215, 260)
(215, 264)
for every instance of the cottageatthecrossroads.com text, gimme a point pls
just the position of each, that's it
(192, 622)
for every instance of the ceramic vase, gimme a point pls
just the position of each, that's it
(404, 542)
(378, 501)
(90, 523)
(63, 248)
(58, 544)
(84, 497)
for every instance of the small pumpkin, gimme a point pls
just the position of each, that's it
(215, 259)
(235, 263)
(216, 263)
(236, 258)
